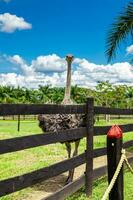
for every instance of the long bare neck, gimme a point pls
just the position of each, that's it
(68, 83)
(67, 96)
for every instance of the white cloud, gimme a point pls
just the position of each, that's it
(85, 73)
(10, 23)
(129, 49)
(49, 63)
(116, 73)
(11, 79)
(42, 64)
(25, 68)
(16, 59)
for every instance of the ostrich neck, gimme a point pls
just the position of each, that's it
(67, 99)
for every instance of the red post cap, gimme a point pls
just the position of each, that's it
(115, 132)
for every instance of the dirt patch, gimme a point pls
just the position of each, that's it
(47, 187)
(54, 184)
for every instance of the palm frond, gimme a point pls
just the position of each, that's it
(120, 29)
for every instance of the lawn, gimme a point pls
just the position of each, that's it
(100, 186)
(18, 163)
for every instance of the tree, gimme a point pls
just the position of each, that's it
(120, 30)
(104, 94)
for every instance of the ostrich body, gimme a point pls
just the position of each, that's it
(55, 123)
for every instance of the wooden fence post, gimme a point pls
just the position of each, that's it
(89, 146)
(18, 123)
(114, 147)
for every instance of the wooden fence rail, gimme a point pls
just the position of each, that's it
(26, 142)
(17, 183)
(20, 143)
(102, 130)
(34, 109)
(77, 184)
(112, 111)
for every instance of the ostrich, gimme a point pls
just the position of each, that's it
(58, 122)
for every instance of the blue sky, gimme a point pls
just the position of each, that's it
(58, 27)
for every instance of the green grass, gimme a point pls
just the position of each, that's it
(18, 163)
(100, 186)
(8, 128)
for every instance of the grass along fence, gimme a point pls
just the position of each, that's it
(15, 144)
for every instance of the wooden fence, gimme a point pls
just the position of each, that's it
(16, 144)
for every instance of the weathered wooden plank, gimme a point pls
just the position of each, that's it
(17, 183)
(114, 148)
(102, 130)
(20, 143)
(128, 144)
(99, 172)
(99, 152)
(89, 145)
(75, 186)
(130, 160)
(30, 109)
(112, 111)
(67, 190)
(103, 151)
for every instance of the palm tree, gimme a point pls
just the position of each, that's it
(120, 30)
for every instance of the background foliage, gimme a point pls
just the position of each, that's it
(105, 94)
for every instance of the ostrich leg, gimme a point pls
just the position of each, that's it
(68, 148)
(71, 172)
